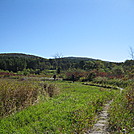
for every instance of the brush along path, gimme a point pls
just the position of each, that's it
(102, 124)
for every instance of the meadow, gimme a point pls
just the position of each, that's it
(71, 108)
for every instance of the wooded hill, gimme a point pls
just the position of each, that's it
(18, 62)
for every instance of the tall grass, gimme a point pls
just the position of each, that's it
(17, 95)
(113, 82)
(51, 89)
(122, 112)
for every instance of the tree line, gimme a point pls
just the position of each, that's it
(20, 62)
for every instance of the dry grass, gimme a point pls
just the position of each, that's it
(17, 95)
(51, 89)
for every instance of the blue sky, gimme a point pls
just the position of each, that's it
(100, 29)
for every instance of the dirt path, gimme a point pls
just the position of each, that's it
(102, 124)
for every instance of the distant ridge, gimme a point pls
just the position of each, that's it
(71, 58)
(20, 55)
(85, 59)
(34, 56)
(79, 59)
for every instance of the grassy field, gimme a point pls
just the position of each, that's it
(73, 110)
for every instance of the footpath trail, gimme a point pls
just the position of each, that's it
(100, 127)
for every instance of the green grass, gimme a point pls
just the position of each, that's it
(122, 112)
(74, 110)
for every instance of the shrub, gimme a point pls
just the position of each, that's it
(77, 74)
(91, 76)
(100, 80)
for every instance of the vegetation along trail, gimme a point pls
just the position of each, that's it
(72, 111)
(102, 125)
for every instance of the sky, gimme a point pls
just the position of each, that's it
(100, 29)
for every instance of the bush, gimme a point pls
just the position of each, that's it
(77, 73)
(100, 80)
